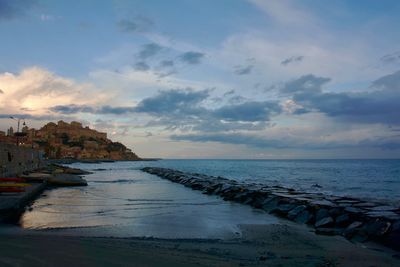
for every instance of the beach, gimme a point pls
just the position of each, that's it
(260, 245)
(127, 217)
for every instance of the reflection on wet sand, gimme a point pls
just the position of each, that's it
(132, 203)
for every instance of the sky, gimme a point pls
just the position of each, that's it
(251, 79)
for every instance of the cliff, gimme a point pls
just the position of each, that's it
(72, 140)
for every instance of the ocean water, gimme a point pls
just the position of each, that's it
(367, 179)
(120, 200)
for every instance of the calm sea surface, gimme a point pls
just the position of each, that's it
(123, 201)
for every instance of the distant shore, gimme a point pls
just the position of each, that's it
(70, 161)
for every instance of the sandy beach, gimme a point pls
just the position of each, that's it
(260, 245)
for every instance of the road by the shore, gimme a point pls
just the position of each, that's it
(260, 245)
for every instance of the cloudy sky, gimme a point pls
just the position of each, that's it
(209, 79)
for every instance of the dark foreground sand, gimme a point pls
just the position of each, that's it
(260, 245)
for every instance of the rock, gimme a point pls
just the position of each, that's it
(325, 222)
(342, 220)
(328, 231)
(304, 217)
(258, 202)
(323, 203)
(392, 238)
(223, 188)
(283, 209)
(351, 229)
(365, 205)
(270, 204)
(64, 179)
(347, 201)
(353, 210)
(382, 208)
(359, 236)
(316, 186)
(294, 212)
(321, 213)
(377, 228)
(240, 196)
(76, 171)
(334, 212)
(248, 199)
(384, 214)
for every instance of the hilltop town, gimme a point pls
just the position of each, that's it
(64, 140)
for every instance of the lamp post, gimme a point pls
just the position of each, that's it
(17, 134)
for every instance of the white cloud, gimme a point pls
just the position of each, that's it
(35, 89)
(285, 12)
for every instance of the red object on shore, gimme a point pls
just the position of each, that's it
(18, 180)
(11, 190)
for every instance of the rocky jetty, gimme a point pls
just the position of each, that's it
(355, 219)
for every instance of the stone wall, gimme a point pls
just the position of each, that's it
(15, 160)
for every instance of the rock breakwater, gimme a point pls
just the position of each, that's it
(355, 219)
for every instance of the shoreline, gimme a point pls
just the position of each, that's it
(355, 219)
(50, 176)
(287, 244)
(260, 245)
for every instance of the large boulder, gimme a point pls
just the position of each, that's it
(304, 217)
(324, 222)
(294, 212)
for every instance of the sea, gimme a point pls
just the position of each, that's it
(122, 201)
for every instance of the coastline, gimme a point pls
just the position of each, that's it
(353, 218)
(35, 182)
(287, 244)
(260, 245)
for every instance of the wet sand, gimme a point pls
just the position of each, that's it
(259, 245)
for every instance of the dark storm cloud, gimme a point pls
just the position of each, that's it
(381, 105)
(141, 66)
(73, 109)
(10, 9)
(149, 50)
(184, 109)
(192, 57)
(251, 140)
(188, 102)
(391, 58)
(178, 102)
(137, 24)
(232, 138)
(115, 110)
(243, 70)
(292, 60)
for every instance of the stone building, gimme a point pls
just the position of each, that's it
(72, 140)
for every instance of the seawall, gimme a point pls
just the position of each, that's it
(16, 159)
